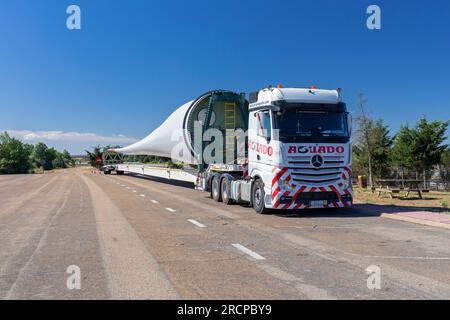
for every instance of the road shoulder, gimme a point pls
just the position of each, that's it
(132, 271)
(427, 220)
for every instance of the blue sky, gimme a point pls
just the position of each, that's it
(134, 62)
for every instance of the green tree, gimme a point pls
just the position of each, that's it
(29, 148)
(421, 148)
(44, 156)
(14, 155)
(59, 161)
(39, 154)
(428, 144)
(381, 150)
(68, 160)
(402, 155)
(94, 155)
(444, 169)
(373, 149)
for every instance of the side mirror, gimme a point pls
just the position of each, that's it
(349, 124)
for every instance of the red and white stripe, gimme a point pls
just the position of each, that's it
(276, 189)
(245, 174)
(283, 173)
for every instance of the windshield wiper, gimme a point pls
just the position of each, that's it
(333, 135)
(296, 136)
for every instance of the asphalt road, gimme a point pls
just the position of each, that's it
(138, 238)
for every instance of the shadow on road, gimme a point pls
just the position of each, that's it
(357, 210)
(176, 183)
(353, 212)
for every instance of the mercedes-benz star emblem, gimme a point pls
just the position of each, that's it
(317, 161)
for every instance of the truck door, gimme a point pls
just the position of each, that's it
(261, 149)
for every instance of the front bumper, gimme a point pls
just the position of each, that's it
(307, 200)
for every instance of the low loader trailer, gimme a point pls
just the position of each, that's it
(283, 149)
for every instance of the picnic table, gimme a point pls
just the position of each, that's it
(396, 186)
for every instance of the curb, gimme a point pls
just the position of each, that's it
(417, 221)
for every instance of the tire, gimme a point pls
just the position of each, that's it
(226, 191)
(215, 189)
(258, 196)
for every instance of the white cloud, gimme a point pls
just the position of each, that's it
(74, 142)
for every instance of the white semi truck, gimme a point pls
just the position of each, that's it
(295, 152)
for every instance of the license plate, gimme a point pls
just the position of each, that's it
(318, 203)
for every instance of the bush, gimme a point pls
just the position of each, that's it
(14, 155)
(17, 157)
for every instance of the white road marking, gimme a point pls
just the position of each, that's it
(128, 188)
(248, 251)
(171, 210)
(142, 195)
(134, 191)
(198, 224)
(321, 227)
(324, 256)
(154, 201)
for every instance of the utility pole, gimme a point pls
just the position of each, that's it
(366, 128)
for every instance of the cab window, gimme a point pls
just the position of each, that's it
(264, 124)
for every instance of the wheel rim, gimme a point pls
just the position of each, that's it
(224, 192)
(215, 189)
(258, 196)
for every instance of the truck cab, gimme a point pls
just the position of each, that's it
(299, 152)
(284, 149)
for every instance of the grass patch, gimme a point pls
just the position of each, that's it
(433, 201)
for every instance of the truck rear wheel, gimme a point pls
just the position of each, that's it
(226, 191)
(215, 189)
(258, 196)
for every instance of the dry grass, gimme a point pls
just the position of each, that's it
(435, 201)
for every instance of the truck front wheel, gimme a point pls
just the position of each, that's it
(258, 196)
(215, 189)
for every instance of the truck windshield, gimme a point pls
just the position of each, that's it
(314, 126)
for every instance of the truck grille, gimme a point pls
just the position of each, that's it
(302, 169)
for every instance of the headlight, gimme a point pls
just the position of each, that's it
(284, 184)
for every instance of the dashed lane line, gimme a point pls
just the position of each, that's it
(248, 251)
(198, 224)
